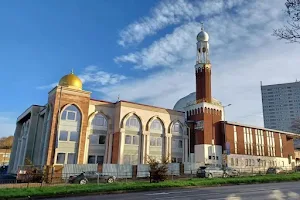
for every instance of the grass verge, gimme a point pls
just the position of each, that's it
(69, 190)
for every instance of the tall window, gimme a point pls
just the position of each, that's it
(248, 141)
(235, 140)
(271, 143)
(259, 137)
(280, 143)
(132, 153)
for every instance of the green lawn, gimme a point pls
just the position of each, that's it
(139, 186)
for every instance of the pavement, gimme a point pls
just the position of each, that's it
(277, 191)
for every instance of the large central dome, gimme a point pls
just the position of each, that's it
(71, 81)
(182, 103)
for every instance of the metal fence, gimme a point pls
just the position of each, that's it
(123, 173)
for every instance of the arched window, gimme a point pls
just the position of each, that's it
(68, 138)
(71, 113)
(133, 122)
(99, 120)
(156, 125)
(177, 143)
(177, 128)
(131, 154)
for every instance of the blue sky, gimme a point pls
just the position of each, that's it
(142, 50)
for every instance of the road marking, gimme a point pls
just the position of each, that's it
(160, 193)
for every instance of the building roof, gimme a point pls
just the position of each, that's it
(280, 84)
(137, 104)
(262, 128)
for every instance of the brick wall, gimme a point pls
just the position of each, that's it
(68, 97)
(115, 148)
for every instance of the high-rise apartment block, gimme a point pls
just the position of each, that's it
(281, 105)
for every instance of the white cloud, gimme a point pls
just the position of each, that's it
(170, 12)
(7, 124)
(248, 25)
(243, 53)
(93, 77)
(50, 86)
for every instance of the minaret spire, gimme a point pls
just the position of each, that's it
(203, 68)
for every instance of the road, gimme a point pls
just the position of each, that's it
(289, 190)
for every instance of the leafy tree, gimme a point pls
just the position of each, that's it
(291, 31)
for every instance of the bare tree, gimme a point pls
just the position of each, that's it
(290, 32)
(6, 142)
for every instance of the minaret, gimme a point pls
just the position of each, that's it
(203, 68)
(204, 114)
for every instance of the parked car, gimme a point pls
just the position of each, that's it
(92, 177)
(275, 170)
(3, 169)
(30, 175)
(230, 172)
(8, 178)
(210, 172)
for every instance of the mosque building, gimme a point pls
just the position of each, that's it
(73, 128)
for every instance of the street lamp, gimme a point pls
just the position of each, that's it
(225, 131)
(224, 110)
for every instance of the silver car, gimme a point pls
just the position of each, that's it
(210, 172)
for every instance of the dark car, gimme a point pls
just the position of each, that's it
(210, 172)
(230, 172)
(275, 170)
(3, 169)
(8, 178)
(92, 177)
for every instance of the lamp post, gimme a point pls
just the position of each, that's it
(224, 121)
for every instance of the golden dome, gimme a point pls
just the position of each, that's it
(71, 81)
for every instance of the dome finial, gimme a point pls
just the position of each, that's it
(72, 71)
(202, 26)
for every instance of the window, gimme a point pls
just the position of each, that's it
(156, 125)
(71, 115)
(180, 144)
(159, 142)
(173, 160)
(133, 122)
(236, 162)
(235, 140)
(209, 157)
(71, 158)
(127, 139)
(63, 136)
(135, 140)
(74, 136)
(232, 162)
(102, 139)
(177, 128)
(246, 162)
(91, 159)
(179, 160)
(60, 159)
(152, 141)
(93, 139)
(99, 120)
(100, 159)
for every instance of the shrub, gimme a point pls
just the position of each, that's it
(158, 171)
